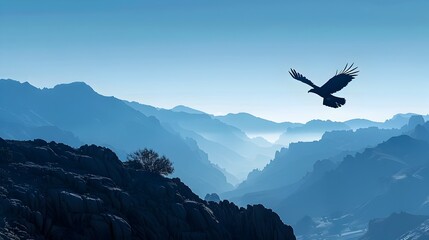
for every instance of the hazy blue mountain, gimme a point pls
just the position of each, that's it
(362, 123)
(235, 166)
(20, 121)
(181, 108)
(413, 122)
(17, 131)
(107, 121)
(390, 177)
(319, 126)
(255, 126)
(16, 103)
(421, 132)
(396, 227)
(273, 197)
(227, 160)
(399, 120)
(312, 130)
(262, 142)
(226, 145)
(229, 177)
(341, 195)
(293, 163)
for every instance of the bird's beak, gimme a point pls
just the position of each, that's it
(309, 91)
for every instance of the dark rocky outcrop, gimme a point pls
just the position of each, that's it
(53, 191)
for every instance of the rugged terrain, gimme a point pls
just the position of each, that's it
(53, 191)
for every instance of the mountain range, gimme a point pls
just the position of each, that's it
(256, 126)
(325, 177)
(293, 163)
(227, 146)
(75, 114)
(340, 194)
(81, 115)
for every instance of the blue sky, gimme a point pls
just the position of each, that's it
(225, 56)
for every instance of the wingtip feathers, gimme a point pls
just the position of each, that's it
(349, 70)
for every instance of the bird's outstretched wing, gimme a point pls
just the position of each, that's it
(298, 76)
(340, 80)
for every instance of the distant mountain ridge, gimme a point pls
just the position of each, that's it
(293, 163)
(352, 176)
(181, 108)
(385, 171)
(251, 124)
(75, 114)
(107, 121)
(388, 178)
(227, 146)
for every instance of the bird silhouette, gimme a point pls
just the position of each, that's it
(333, 85)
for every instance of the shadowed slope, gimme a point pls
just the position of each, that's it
(53, 191)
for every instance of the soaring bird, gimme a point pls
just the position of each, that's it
(333, 85)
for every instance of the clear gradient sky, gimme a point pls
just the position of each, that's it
(224, 56)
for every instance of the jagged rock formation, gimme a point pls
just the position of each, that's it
(53, 191)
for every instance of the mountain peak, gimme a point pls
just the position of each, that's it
(182, 108)
(240, 114)
(16, 83)
(75, 86)
(416, 120)
(10, 88)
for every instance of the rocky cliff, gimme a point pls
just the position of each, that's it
(53, 191)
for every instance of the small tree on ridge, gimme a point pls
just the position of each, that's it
(149, 161)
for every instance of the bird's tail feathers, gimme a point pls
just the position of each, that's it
(334, 102)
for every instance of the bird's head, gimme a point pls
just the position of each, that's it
(311, 90)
